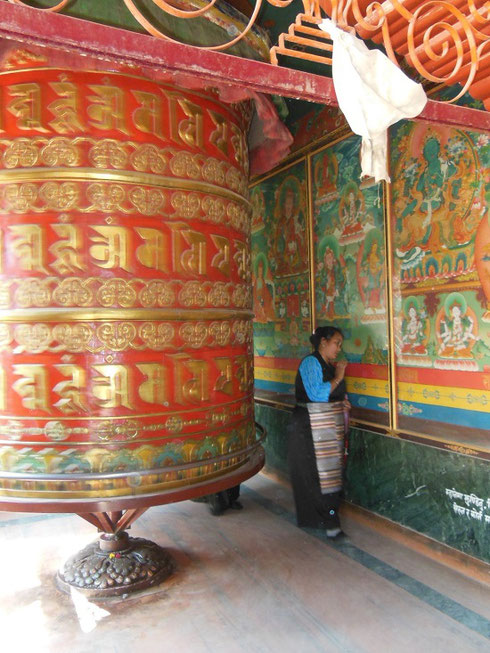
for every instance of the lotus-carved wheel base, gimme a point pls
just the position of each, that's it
(115, 565)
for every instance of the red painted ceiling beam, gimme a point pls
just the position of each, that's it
(456, 116)
(124, 48)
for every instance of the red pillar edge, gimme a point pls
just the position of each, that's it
(121, 47)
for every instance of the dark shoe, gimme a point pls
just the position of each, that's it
(236, 505)
(217, 503)
(215, 509)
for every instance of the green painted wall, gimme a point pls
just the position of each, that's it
(414, 485)
(276, 444)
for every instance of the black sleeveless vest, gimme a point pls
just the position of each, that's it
(328, 374)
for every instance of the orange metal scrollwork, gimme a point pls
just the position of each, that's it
(55, 8)
(154, 31)
(443, 41)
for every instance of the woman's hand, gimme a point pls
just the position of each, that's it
(340, 370)
(347, 403)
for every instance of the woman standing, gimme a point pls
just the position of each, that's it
(316, 446)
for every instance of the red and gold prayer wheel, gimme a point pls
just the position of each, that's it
(125, 292)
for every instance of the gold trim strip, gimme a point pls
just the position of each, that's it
(323, 141)
(317, 147)
(119, 314)
(356, 423)
(275, 404)
(157, 440)
(276, 171)
(124, 177)
(442, 287)
(389, 298)
(403, 434)
(311, 243)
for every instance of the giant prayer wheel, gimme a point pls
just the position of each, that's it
(125, 294)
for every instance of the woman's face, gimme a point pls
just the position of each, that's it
(332, 347)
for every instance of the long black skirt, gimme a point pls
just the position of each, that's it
(313, 509)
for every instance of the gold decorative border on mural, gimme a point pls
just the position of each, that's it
(339, 134)
(305, 153)
(317, 148)
(416, 436)
(467, 451)
(357, 422)
(439, 285)
(441, 442)
(276, 171)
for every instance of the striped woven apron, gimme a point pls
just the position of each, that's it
(327, 432)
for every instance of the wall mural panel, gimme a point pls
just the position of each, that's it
(280, 267)
(441, 244)
(439, 279)
(349, 275)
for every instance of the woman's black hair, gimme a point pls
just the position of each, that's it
(326, 332)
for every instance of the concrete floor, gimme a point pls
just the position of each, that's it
(247, 581)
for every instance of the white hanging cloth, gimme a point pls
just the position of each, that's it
(373, 93)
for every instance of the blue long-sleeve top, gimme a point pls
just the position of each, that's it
(312, 376)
